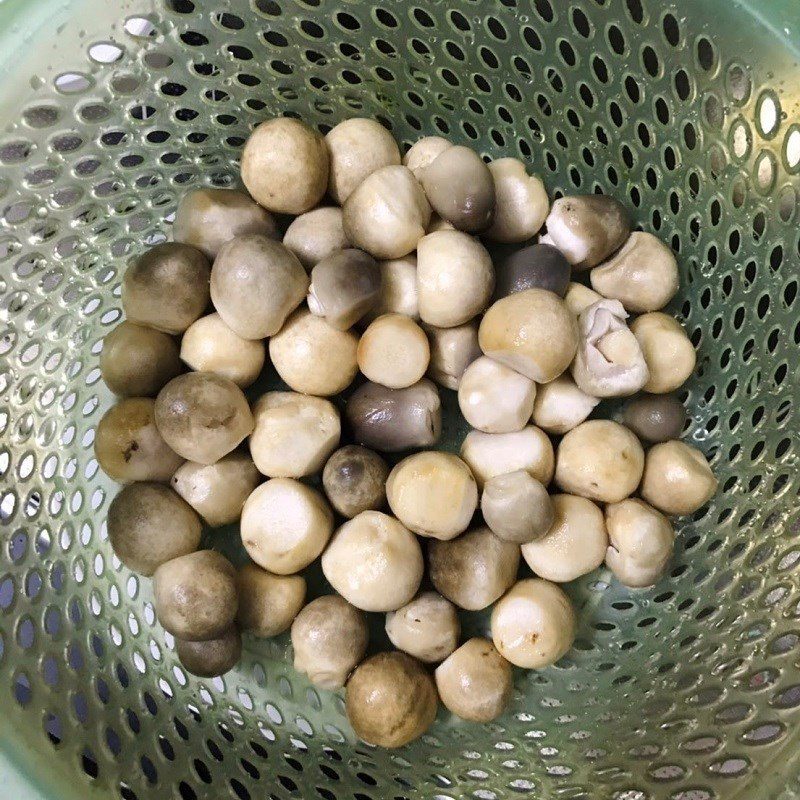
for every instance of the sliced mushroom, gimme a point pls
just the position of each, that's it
(452, 351)
(316, 235)
(521, 202)
(538, 266)
(561, 406)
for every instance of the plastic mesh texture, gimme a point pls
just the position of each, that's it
(689, 691)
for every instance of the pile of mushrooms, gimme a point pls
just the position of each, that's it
(377, 293)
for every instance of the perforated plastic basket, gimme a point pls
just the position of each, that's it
(685, 110)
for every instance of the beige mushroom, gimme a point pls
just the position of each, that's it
(601, 460)
(312, 356)
(517, 507)
(561, 406)
(476, 682)
(387, 213)
(491, 454)
(393, 351)
(423, 152)
(285, 525)
(398, 292)
(355, 480)
(294, 434)
(213, 657)
(268, 604)
(209, 345)
(455, 278)
(433, 494)
(668, 351)
(426, 628)
(285, 166)
(374, 562)
(579, 297)
(677, 478)
(452, 351)
(642, 275)
(255, 284)
(357, 148)
(521, 202)
(534, 624)
(575, 545)
(316, 235)
(532, 332)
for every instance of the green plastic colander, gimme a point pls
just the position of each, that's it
(687, 110)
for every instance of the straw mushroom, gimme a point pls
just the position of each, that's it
(312, 356)
(329, 639)
(213, 657)
(521, 202)
(357, 148)
(677, 478)
(574, 545)
(393, 351)
(391, 420)
(475, 682)
(294, 434)
(148, 525)
(534, 624)
(355, 480)
(398, 291)
(208, 218)
(452, 351)
(517, 507)
(166, 287)
(473, 570)
(285, 166)
(532, 332)
(285, 525)
(601, 460)
(433, 494)
(455, 278)
(423, 152)
(268, 604)
(316, 235)
(668, 351)
(138, 361)
(655, 418)
(538, 266)
(561, 406)
(374, 562)
(387, 213)
(579, 297)
(426, 628)
(641, 542)
(255, 284)
(202, 416)
(439, 224)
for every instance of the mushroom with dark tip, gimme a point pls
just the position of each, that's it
(354, 480)
(538, 266)
(655, 418)
(213, 657)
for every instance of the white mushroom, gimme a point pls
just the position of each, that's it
(426, 628)
(677, 478)
(452, 351)
(517, 507)
(316, 235)
(521, 202)
(561, 406)
(668, 351)
(398, 292)
(393, 351)
(423, 152)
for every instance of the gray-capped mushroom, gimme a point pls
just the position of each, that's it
(476, 682)
(316, 235)
(579, 297)
(354, 479)
(494, 398)
(285, 166)
(344, 287)
(609, 361)
(128, 445)
(285, 525)
(213, 657)
(207, 218)
(426, 628)
(209, 345)
(137, 361)
(532, 332)
(217, 491)
(601, 460)
(391, 420)
(357, 148)
(202, 416)
(517, 507)
(677, 478)
(398, 292)
(460, 189)
(433, 493)
(166, 287)
(667, 350)
(452, 351)
(538, 266)
(255, 284)
(423, 152)
(521, 202)
(393, 351)
(473, 570)
(642, 275)
(655, 418)
(374, 562)
(148, 525)
(534, 624)
(329, 639)
(387, 213)
(391, 700)
(641, 542)
(268, 604)
(294, 434)
(195, 595)
(587, 229)
(455, 278)
(312, 356)
(575, 545)
(561, 406)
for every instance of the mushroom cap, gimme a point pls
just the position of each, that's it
(423, 152)
(579, 297)
(268, 603)
(677, 478)
(452, 351)
(517, 507)
(574, 545)
(532, 332)
(355, 480)
(426, 628)
(285, 166)
(560, 405)
(538, 266)
(655, 418)
(316, 235)
(521, 202)
(601, 460)
(393, 351)
(398, 290)
(213, 657)
(668, 351)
